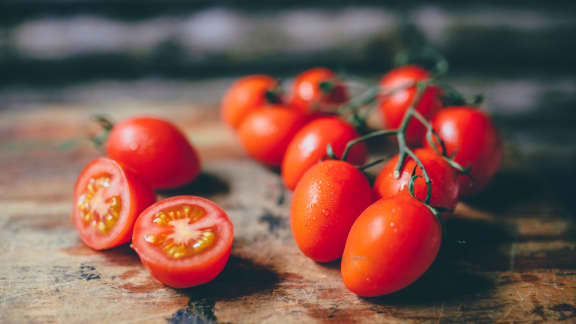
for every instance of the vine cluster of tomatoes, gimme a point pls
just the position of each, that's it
(389, 233)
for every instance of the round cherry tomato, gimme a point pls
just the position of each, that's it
(155, 149)
(330, 196)
(266, 133)
(308, 147)
(244, 96)
(183, 241)
(473, 142)
(444, 180)
(391, 244)
(107, 200)
(394, 106)
(318, 90)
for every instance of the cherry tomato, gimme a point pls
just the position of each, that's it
(393, 106)
(266, 133)
(330, 196)
(444, 180)
(308, 147)
(308, 95)
(107, 200)
(183, 241)
(155, 149)
(473, 141)
(391, 244)
(244, 96)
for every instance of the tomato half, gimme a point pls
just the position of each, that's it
(183, 241)
(308, 94)
(155, 149)
(327, 200)
(107, 200)
(390, 246)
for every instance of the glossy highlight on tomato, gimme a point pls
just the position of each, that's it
(330, 196)
(183, 241)
(308, 147)
(107, 200)
(318, 90)
(155, 149)
(391, 244)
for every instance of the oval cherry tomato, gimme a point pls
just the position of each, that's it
(330, 196)
(444, 180)
(473, 142)
(155, 149)
(107, 200)
(244, 96)
(391, 244)
(393, 106)
(266, 133)
(183, 241)
(318, 90)
(308, 147)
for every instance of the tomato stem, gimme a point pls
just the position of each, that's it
(99, 139)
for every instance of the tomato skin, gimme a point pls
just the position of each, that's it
(266, 133)
(246, 95)
(155, 149)
(136, 196)
(445, 185)
(394, 106)
(391, 244)
(308, 147)
(191, 271)
(330, 196)
(307, 96)
(473, 141)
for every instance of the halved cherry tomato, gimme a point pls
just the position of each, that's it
(393, 106)
(330, 196)
(318, 90)
(183, 241)
(444, 180)
(266, 133)
(155, 149)
(390, 246)
(246, 95)
(473, 141)
(308, 147)
(107, 200)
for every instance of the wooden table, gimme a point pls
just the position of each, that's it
(509, 255)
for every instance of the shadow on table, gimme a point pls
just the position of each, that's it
(205, 184)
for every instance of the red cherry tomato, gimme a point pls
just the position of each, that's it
(155, 149)
(330, 196)
(308, 147)
(244, 96)
(266, 133)
(393, 106)
(309, 96)
(107, 200)
(444, 180)
(391, 244)
(183, 241)
(474, 142)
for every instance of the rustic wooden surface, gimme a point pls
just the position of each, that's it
(509, 255)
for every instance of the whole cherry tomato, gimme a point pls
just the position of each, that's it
(183, 241)
(107, 200)
(246, 95)
(393, 106)
(266, 133)
(444, 180)
(155, 149)
(473, 142)
(318, 90)
(391, 244)
(330, 196)
(308, 147)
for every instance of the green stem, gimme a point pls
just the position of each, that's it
(366, 137)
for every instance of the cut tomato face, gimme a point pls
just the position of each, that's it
(183, 241)
(107, 200)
